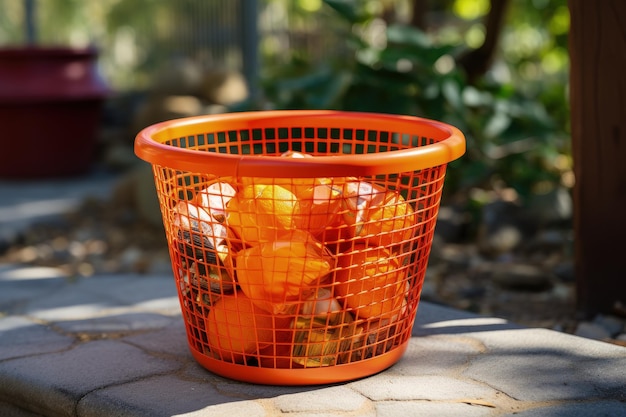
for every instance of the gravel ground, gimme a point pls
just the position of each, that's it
(534, 287)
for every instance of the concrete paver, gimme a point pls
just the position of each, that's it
(23, 202)
(165, 395)
(430, 409)
(23, 337)
(581, 409)
(115, 345)
(323, 400)
(430, 388)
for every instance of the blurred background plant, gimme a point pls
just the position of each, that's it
(514, 115)
(496, 69)
(393, 56)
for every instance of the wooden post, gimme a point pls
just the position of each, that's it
(598, 112)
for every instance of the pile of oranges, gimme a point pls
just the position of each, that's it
(300, 272)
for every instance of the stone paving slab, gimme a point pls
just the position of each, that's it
(24, 202)
(115, 345)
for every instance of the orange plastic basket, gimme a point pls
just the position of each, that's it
(299, 239)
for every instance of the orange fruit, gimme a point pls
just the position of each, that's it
(383, 217)
(276, 275)
(320, 205)
(260, 212)
(370, 281)
(288, 183)
(235, 328)
(390, 222)
(297, 185)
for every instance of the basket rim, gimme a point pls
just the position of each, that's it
(449, 145)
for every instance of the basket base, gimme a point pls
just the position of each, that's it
(307, 376)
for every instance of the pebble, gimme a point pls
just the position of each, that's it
(551, 239)
(520, 277)
(562, 292)
(455, 256)
(451, 223)
(592, 331)
(612, 324)
(555, 205)
(564, 271)
(502, 227)
(502, 240)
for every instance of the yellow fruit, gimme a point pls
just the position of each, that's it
(276, 275)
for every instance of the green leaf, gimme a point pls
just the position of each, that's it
(320, 90)
(327, 95)
(474, 97)
(353, 11)
(452, 92)
(497, 124)
(408, 35)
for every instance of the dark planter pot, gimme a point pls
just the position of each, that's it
(51, 102)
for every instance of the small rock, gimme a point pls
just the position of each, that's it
(501, 240)
(472, 291)
(131, 257)
(503, 228)
(565, 271)
(549, 243)
(521, 277)
(563, 292)
(451, 223)
(455, 256)
(552, 207)
(613, 325)
(552, 239)
(621, 337)
(591, 331)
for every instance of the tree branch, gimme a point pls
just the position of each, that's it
(476, 62)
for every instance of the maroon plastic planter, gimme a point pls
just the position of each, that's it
(50, 109)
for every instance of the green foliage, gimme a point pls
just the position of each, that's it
(352, 10)
(396, 68)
